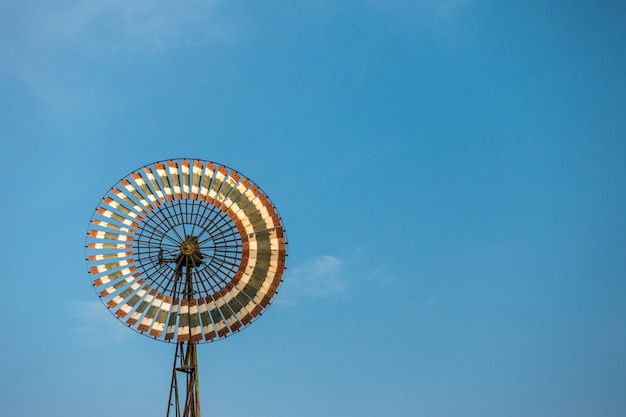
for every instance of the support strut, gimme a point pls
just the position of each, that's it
(185, 371)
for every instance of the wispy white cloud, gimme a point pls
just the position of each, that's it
(328, 277)
(316, 278)
(382, 275)
(447, 8)
(46, 45)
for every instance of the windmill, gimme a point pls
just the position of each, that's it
(186, 252)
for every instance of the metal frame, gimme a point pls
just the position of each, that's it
(186, 252)
(186, 363)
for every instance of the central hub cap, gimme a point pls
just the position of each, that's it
(190, 247)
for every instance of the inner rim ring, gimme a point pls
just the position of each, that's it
(193, 234)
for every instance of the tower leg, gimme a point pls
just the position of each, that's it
(186, 369)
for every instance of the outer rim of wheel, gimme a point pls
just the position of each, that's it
(171, 287)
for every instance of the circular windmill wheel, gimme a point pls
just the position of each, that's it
(186, 250)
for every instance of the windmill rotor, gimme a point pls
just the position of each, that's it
(187, 252)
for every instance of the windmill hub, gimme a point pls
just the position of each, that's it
(190, 247)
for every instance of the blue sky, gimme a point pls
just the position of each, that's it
(450, 174)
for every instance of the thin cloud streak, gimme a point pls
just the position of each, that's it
(45, 44)
(317, 278)
(449, 7)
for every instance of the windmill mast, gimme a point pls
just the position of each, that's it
(185, 356)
